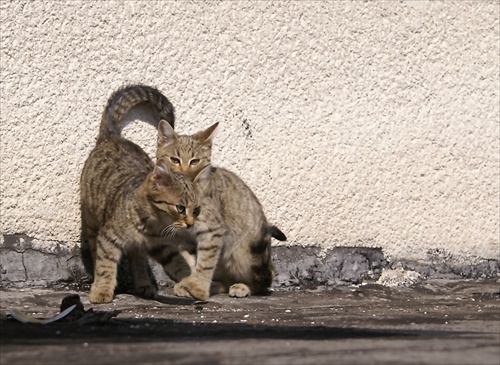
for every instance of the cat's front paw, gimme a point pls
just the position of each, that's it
(146, 291)
(239, 290)
(101, 295)
(191, 287)
(180, 291)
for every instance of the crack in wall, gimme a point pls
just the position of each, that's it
(24, 266)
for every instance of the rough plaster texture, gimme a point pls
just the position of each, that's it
(369, 124)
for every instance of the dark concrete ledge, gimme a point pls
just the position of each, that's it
(26, 263)
(310, 266)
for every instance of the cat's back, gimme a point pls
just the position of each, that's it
(227, 182)
(119, 157)
(113, 167)
(237, 200)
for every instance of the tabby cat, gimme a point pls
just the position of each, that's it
(233, 235)
(131, 205)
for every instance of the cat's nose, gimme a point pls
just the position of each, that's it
(189, 221)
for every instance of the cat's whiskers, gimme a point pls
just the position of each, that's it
(169, 231)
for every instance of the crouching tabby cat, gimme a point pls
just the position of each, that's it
(131, 205)
(233, 235)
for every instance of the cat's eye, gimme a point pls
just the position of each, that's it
(194, 161)
(180, 208)
(196, 211)
(175, 160)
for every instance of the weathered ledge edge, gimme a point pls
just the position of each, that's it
(23, 263)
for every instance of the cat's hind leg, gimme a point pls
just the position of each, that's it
(107, 256)
(138, 263)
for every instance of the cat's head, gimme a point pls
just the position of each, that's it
(173, 194)
(185, 153)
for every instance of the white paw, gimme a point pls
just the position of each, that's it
(239, 290)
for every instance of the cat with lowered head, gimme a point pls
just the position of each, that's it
(232, 233)
(129, 204)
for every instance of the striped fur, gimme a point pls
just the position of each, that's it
(123, 100)
(131, 205)
(233, 235)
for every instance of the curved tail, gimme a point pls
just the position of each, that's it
(275, 232)
(123, 100)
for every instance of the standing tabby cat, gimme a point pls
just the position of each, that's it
(233, 235)
(131, 205)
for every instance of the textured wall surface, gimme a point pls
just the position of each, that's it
(356, 123)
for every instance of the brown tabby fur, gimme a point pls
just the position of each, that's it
(233, 235)
(131, 205)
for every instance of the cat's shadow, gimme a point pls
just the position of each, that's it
(174, 300)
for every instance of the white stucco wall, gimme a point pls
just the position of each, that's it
(372, 123)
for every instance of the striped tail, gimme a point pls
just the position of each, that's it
(126, 98)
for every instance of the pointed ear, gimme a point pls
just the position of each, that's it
(166, 133)
(161, 169)
(207, 135)
(200, 175)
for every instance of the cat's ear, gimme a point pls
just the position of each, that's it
(207, 135)
(166, 133)
(201, 174)
(161, 170)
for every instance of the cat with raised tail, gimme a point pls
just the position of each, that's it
(232, 232)
(121, 103)
(129, 204)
